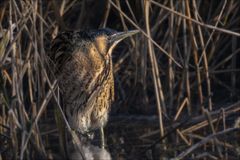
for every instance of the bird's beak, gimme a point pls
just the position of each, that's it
(119, 36)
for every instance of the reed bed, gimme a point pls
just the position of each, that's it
(177, 82)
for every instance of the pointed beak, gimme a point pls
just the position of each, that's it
(119, 36)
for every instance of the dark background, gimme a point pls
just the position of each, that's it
(203, 90)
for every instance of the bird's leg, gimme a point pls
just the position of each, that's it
(90, 135)
(102, 137)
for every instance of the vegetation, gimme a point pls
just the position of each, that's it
(177, 82)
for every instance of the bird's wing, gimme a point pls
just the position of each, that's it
(61, 50)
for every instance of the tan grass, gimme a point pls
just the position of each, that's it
(178, 81)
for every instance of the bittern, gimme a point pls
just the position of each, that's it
(83, 62)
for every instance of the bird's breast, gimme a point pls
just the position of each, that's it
(87, 89)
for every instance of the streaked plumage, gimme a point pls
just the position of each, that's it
(83, 66)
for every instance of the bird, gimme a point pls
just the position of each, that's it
(84, 70)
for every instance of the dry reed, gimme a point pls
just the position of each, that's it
(177, 83)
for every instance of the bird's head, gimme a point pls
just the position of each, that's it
(95, 45)
(106, 39)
